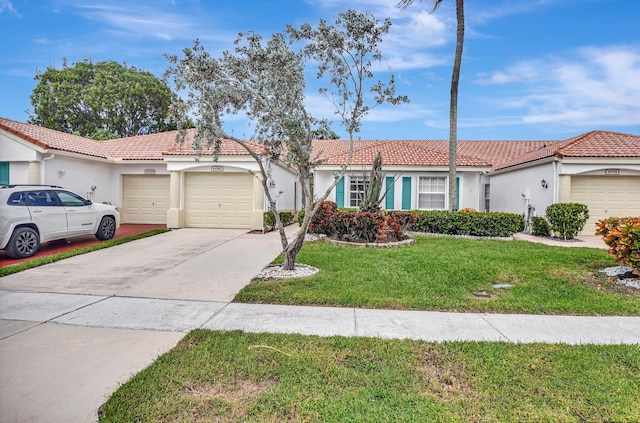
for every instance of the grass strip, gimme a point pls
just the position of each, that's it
(231, 377)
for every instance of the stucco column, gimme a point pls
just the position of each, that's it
(564, 189)
(34, 177)
(175, 216)
(257, 215)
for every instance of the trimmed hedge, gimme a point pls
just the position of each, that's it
(567, 219)
(270, 219)
(345, 223)
(491, 224)
(540, 226)
(622, 234)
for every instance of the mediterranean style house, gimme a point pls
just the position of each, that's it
(152, 179)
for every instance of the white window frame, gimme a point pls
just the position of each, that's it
(426, 193)
(355, 195)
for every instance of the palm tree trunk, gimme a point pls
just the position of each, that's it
(453, 109)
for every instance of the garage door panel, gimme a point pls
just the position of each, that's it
(145, 199)
(219, 200)
(606, 196)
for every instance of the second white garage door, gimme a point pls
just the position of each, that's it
(613, 196)
(218, 200)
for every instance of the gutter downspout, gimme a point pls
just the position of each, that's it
(43, 167)
(555, 181)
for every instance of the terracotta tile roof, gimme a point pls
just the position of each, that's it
(592, 144)
(601, 144)
(499, 154)
(55, 140)
(156, 146)
(399, 153)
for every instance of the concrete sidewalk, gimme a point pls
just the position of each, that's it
(151, 314)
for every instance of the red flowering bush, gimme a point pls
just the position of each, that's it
(321, 222)
(404, 219)
(622, 235)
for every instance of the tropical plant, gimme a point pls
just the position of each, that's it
(373, 194)
(623, 236)
(453, 107)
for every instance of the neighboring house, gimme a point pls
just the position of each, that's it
(600, 169)
(149, 178)
(416, 175)
(154, 180)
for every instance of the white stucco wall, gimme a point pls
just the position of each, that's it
(80, 175)
(287, 191)
(12, 150)
(513, 191)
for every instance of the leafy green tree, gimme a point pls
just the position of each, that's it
(453, 107)
(324, 134)
(100, 100)
(266, 82)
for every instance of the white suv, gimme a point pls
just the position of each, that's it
(30, 214)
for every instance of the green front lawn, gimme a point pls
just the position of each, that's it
(235, 376)
(443, 274)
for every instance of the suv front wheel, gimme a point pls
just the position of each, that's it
(106, 229)
(24, 243)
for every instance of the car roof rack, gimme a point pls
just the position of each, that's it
(29, 185)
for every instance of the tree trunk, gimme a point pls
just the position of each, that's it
(453, 109)
(291, 252)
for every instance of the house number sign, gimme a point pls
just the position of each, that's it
(612, 171)
(217, 168)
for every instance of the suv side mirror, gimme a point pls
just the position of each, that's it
(88, 202)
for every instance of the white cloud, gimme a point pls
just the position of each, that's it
(592, 86)
(139, 19)
(7, 6)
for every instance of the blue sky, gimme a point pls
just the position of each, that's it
(532, 69)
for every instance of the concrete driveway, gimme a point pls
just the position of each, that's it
(53, 372)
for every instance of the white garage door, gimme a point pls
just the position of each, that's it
(145, 199)
(612, 196)
(218, 200)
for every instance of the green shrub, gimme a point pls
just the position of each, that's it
(286, 217)
(567, 219)
(269, 219)
(540, 226)
(301, 214)
(623, 236)
(490, 224)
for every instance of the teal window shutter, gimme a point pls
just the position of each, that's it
(457, 193)
(4, 173)
(406, 192)
(388, 201)
(340, 193)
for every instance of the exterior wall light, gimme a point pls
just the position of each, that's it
(544, 184)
